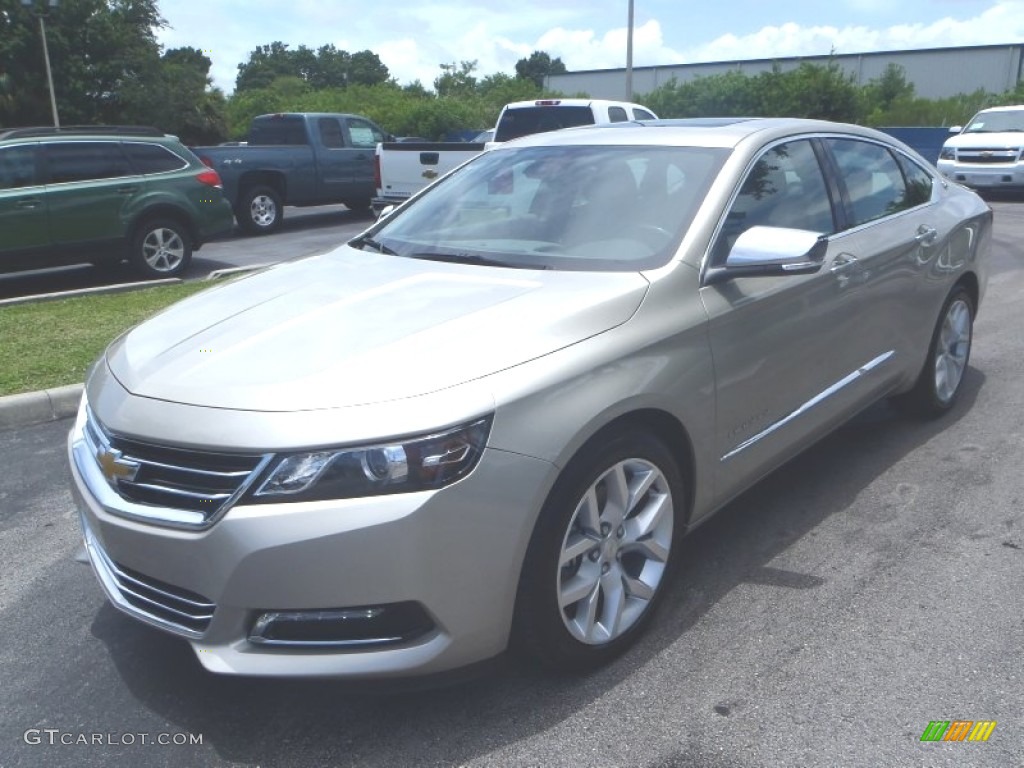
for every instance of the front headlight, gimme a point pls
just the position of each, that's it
(416, 464)
(947, 153)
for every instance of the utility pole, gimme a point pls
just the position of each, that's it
(629, 54)
(40, 11)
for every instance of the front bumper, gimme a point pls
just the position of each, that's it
(456, 552)
(983, 176)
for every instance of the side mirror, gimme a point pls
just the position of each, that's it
(956, 129)
(771, 251)
(385, 212)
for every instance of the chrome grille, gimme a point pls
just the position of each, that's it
(163, 605)
(177, 486)
(988, 156)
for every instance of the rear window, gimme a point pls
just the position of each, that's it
(153, 158)
(524, 121)
(278, 131)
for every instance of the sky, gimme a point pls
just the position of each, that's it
(414, 37)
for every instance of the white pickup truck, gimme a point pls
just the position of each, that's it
(404, 168)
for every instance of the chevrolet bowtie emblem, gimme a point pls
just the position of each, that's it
(430, 173)
(115, 467)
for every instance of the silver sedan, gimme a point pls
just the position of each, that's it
(489, 419)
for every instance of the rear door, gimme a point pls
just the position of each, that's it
(23, 208)
(91, 188)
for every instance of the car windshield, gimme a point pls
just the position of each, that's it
(600, 208)
(1011, 121)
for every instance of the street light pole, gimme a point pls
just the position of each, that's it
(629, 55)
(41, 15)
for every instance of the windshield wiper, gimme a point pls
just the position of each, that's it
(367, 240)
(472, 258)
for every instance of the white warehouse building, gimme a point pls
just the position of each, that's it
(935, 72)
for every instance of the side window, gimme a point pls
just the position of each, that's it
(919, 182)
(642, 114)
(330, 132)
(153, 158)
(363, 134)
(18, 167)
(872, 177)
(84, 161)
(617, 115)
(784, 188)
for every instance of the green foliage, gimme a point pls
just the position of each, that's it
(538, 66)
(456, 79)
(327, 67)
(107, 68)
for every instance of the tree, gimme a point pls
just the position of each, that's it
(103, 53)
(538, 66)
(327, 67)
(456, 79)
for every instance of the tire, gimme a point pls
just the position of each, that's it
(259, 210)
(358, 205)
(592, 579)
(161, 248)
(940, 381)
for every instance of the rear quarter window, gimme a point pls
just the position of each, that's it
(153, 158)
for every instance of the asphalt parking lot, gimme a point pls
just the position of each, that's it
(869, 587)
(304, 232)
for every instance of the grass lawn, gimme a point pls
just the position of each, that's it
(52, 343)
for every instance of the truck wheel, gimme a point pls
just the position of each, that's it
(358, 205)
(161, 248)
(259, 210)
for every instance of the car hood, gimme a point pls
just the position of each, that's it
(997, 140)
(355, 328)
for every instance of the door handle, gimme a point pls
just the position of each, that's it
(32, 202)
(127, 190)
(844, 262)
(926, 235)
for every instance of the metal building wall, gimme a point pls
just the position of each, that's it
(935, 72)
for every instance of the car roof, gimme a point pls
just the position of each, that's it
(1007, 108)
(78, 131)
(725, 132)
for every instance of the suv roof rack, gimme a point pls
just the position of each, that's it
(82, 130)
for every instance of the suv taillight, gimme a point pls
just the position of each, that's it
(210, 178)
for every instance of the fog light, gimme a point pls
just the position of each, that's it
(358, 627)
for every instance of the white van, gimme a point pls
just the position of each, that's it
(989, 152)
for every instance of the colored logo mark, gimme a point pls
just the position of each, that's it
(958, 730)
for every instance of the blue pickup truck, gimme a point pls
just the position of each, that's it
(297, 159)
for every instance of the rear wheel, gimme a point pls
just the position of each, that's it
(941, 379)
(358, 204)
(602, 552)
(260, 210)
(161, 248)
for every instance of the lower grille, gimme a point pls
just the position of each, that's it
(155, 602)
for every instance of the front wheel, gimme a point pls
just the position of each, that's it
(161, 248)
(260, 210)
(941, 379)
(601, 553)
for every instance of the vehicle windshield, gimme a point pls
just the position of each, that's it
(1010, 121)
(568, 207)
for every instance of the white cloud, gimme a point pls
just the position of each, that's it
(1001, 23)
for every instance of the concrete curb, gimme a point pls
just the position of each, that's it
(31, 408)
(100, 289)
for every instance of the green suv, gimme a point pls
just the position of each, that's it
(103, 194)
